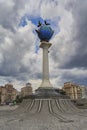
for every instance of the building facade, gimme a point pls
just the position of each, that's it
(72, 90)
(7, 93)
(27, 90)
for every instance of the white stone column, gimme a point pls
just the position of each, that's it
(45, 76)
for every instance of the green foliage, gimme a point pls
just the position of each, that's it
(63, 92)
(18, 99)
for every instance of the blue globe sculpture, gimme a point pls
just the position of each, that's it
(44, 32)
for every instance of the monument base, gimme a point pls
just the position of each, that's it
(48, 93)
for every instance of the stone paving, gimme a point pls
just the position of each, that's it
(7, 107)
(44, 114)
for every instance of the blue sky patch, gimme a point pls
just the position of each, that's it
(34, 20)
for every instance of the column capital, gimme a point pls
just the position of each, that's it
(44, 43)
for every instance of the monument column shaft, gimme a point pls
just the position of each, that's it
(45, 63)
(45, 76)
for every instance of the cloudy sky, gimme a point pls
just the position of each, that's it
(20, 56)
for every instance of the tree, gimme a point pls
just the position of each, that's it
(18, 99)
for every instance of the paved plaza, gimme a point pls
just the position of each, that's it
(43, 114)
